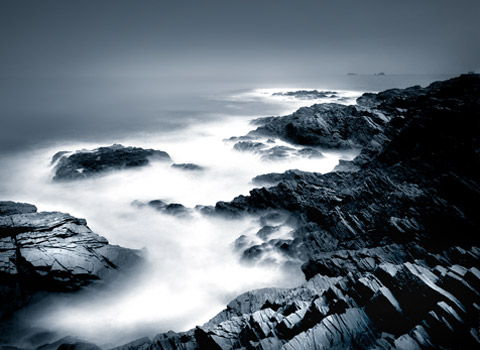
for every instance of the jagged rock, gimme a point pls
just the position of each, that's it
(85, 163)
(51, 251)
(389, 243)
(188, 167)
(396, 223)
(393, 305)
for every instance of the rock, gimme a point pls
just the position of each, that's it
(175, 209)
(273, 152)
(69, 343)
(86, 163)
(266, 231)
(326, 125)
(12, 208)
(307, 94)
(188, 167)
(249, 146)
(390, 238)
(57, 156)
(389, 244)
(51, 251)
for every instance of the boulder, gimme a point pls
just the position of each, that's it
(85, 163)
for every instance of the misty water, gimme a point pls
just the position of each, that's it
(191, 268)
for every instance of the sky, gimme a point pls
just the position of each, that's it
(90, 67)
(258, 38)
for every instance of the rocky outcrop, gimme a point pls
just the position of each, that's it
(327, 125)
(384, 305)
(51, 251)
(389, 240)
(86, 163)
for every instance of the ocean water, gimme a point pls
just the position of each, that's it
(192, 269)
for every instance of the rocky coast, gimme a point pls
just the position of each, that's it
(388, 242)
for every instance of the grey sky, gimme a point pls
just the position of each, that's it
(89, 68)
(165, 38)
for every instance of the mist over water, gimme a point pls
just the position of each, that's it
(191, 269)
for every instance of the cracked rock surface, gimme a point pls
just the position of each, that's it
(50, 251)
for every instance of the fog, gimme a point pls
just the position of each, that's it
(191, 268)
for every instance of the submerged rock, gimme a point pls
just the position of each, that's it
(51, 251)
(86, 163)
(188, 167)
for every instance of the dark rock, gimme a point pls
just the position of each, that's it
(175, 209)
(69, 343)
(85, 163)
(310, 152)
(12, 208)
(266, 231)
(390, 237)
(188, 167)
(389, 243)
(57, 156)
(327, 125)
(275, 153)
(306, 94)
(51, 251)
(249, 146)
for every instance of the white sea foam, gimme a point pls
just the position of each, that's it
(192, 270)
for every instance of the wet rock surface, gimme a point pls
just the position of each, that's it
(389, 241)
(85, 163)
(51, 251)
